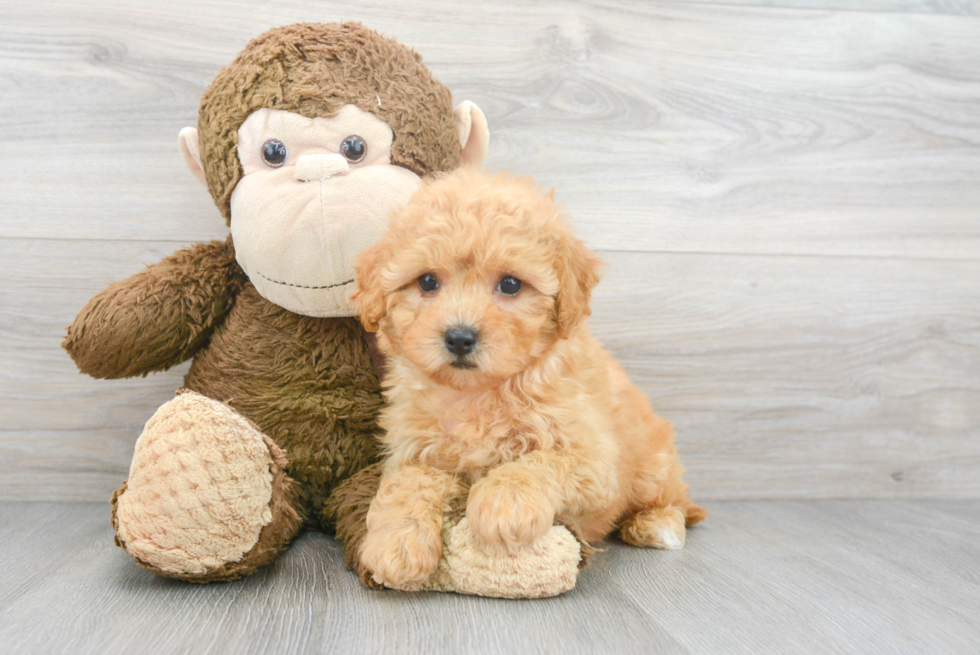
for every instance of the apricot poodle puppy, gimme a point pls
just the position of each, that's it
(479, 294)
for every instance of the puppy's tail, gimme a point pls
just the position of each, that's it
(692, 513)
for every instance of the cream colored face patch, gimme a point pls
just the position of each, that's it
(316, 192)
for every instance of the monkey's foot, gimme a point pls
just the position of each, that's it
(205, 499)
(546, 567)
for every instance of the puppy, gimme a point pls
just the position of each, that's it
(479, 294)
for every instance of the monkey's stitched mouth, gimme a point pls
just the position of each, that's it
(303, 286)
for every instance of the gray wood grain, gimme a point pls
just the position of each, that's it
(664, 126)
(819, 577)
(952, 7)
(763, 577)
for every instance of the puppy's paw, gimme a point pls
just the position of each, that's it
(509, 509)
(402, 559)
(656, 527)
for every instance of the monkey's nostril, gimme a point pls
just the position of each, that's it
(460, 341)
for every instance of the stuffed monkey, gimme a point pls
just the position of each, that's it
(306, 141)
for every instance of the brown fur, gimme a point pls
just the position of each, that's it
(159, 317)
(348, 508)
(544, 425)
(314, 69)
(308, 383)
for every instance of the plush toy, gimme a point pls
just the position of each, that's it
(306, 141)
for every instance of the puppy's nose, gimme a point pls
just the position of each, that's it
(460, 341)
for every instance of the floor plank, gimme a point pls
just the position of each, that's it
(840, 577)
(38, 538)
(763, 577)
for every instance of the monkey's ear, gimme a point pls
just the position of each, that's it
(474, 136)
(368, 296)
(190, 149)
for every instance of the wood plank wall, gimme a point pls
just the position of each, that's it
(787, 194)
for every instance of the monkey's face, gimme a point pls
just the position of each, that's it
(315, 193)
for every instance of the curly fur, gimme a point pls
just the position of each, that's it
(543, 423)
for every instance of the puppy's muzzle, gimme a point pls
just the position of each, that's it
(460, 341)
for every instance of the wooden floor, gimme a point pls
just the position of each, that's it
(759, 577)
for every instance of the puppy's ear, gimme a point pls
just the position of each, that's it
(578, 272)
(369, 296)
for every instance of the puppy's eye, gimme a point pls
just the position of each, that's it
(428, 282)
(274, 153)
(510, 285)
(353, 148)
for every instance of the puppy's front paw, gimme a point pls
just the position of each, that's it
(402, 559)
(509, 509)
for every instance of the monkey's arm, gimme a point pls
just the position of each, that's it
(159, 317)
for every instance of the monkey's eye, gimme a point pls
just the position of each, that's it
(274, 153)
(353, 148)
(428, 282)
(510, 285)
